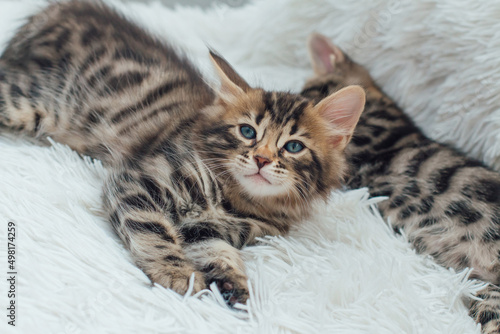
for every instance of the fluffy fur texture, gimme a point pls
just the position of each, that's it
(448, 204)
(196, 173)
(344, 271)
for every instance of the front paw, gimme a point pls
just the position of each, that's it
(486, 311)
(233, 292)
(178, 278)
(231, 283)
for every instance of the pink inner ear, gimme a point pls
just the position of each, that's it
(343, 109)
(321, 53)
(337, 140)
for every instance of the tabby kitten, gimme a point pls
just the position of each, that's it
(448, 204)
(195, 172)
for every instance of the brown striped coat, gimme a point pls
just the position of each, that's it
(195, 172)
(447, 204)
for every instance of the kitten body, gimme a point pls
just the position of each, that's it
(195, 172)
(447, 203)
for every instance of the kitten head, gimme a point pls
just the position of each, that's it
(275, 146)
(333, 69)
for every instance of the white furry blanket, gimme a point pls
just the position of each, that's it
(342, 272)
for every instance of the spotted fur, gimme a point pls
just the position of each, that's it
(187, 189)
(447, 203)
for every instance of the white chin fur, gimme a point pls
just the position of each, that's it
(258, 186)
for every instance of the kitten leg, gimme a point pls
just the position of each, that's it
(214, 245)
(487, 311)
(147, 228)
(221, 263)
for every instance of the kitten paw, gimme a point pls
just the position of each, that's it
(486, 311)
(232, 284)
(233, 292)
(179, 281)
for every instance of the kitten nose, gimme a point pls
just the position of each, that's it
(261, 161)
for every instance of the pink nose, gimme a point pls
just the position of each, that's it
(261, 161)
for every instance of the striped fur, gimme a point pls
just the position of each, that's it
(447, 204)
(187, 189)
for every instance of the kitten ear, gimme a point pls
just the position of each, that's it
(232, 85)
(323, 54)
(342, 111)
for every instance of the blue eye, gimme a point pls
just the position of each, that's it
(294, 146)
(247, 131)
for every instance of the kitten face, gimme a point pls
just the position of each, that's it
(274, 157)
(275, 144)
(257, 165)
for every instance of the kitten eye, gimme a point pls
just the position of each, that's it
(248, 132)
(294, 146)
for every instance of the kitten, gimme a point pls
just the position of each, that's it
(448, 204)
(195, 173)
